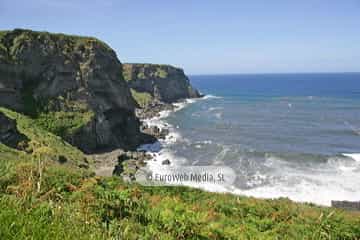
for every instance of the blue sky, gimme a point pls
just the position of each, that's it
(207, 37)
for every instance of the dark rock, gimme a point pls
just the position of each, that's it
(166, 162)
(118, 170)
(129, 162)
(9, 135)
(156, 131)
(83, 165)
(62, 159)
(153, 110)
(348, 205)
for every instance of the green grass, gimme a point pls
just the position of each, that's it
(59, 122)
(107, 208)
(68, 42)
(64, 124)
(132, 71)
(39, 138)
(142, 98)
(161, 73)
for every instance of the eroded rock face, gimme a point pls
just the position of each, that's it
(9, 135)
(38, 66)
(164, 82)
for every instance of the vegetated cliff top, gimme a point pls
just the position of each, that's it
(133, 71)
(27, 34)
(164, 83)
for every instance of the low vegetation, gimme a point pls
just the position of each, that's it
(12, 40)
(133, 71)
(39, 138)
(59, 116)
(142, 98)
(73, 204)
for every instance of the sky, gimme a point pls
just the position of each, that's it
(208, 37)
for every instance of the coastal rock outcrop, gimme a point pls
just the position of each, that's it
(9, 134)
(164, 83)
(75, 82)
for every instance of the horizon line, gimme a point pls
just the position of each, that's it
(269, 73)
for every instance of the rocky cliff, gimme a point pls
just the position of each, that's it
(68, 82)
(163, 82)
(9, 134)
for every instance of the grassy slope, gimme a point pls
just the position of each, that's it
(144, 70)
(75, 206)
(39, 139)
(142, 98)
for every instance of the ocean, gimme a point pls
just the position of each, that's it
(284, 135)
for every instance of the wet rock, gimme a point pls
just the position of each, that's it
(166, 162)
(129, 163)
(159, 133)
(153, 110)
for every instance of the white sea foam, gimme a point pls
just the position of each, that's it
(215, 108)
(337, 179)
(218, 115)
(331, 181)
(209, 96)
(355, 156)
(173, 136)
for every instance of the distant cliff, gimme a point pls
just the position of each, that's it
(163, 82)
(73, 85)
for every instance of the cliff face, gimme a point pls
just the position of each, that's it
(163, 82)
(46, 75)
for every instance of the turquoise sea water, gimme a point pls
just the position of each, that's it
(285, 135)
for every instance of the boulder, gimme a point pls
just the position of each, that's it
(9, 134)
(166, 162)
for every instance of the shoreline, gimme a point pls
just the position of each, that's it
(155, 156)
(109, 163)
